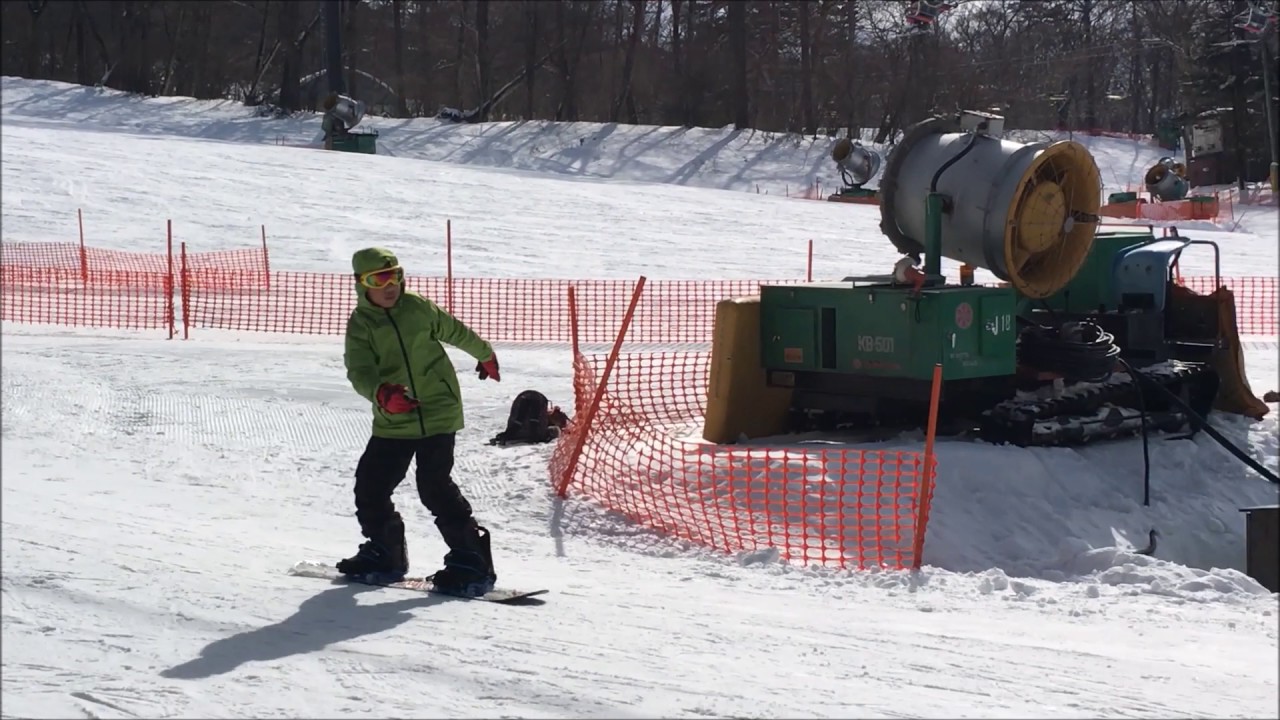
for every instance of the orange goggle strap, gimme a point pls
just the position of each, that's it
(381, 278)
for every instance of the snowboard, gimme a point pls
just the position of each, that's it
(325, 571)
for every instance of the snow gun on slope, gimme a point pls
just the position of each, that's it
(1086, 336)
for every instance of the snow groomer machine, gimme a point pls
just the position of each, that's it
(1084, 335)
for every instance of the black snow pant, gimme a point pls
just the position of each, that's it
(384, 464)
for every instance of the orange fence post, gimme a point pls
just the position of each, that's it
(448, 263)
(562, 487)
(808, 273)
(168, 280)
(186, 295)
(573, 321)
(266, 261)
(925, 495)
(84, 256)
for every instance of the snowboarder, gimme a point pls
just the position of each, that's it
(394, 358)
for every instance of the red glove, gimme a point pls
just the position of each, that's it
(395, 399)
(489, 369)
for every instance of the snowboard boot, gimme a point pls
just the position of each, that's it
(384, 556)
(468, 566)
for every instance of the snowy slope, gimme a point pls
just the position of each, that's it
(235, 178)
(745, 160)
(154, 491)
(148, 522)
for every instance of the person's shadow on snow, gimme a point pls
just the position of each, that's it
(330, 617)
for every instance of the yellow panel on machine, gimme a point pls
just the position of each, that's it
(738, 400)
(1044, 244)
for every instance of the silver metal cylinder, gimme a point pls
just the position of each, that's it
(349, 111)
(1026, 212)
(981, 187)
(1166, 180)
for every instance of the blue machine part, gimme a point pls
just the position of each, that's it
(1143, 270)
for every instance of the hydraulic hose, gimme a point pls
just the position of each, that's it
(933, 183)
(1213, 432)
(1146, 451)
(1078, 351)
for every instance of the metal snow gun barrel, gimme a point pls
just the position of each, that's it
(348, 110)
(1167, 180)
(342, 115)
(857, 165)
(1026, 212)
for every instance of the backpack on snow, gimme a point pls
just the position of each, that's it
(533, 419)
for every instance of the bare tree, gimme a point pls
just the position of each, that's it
(795, 65)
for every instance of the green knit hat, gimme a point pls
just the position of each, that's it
(374, 258)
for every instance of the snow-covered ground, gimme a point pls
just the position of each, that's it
(155, 491)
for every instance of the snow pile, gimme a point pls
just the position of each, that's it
(1078, 513)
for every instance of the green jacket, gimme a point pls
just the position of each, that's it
(402, 345)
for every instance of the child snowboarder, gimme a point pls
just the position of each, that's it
(394, 358)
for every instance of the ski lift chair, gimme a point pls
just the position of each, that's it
(923, 13)
(1256, 19)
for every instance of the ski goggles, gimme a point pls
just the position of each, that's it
(376, 279)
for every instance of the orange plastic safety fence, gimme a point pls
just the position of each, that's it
(236, 290)
(61, 256)
(64, 284)
(1256, 301)
(500, 309)
(228, 270)
(644, 458)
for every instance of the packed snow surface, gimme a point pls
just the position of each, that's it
(155, 492)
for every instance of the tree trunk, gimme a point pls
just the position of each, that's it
(690, 106)
(103, 53)
(133, 75)
(203, 86)
(397, 21)
(677, 61)
(806, 69)
(484, 59)
(258, 59)
(459, 53)
(562, 59)
(82, 58)
(1157, 92)
(1135, 72)
(625, 97)
(530, 58)
(290, 98)
(738, 72)
(1239, 117)
(333, 45)
(33, 53)
(655, 35)
(852, 110)
(1090, 79)
(350, 41)
(568, 108)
